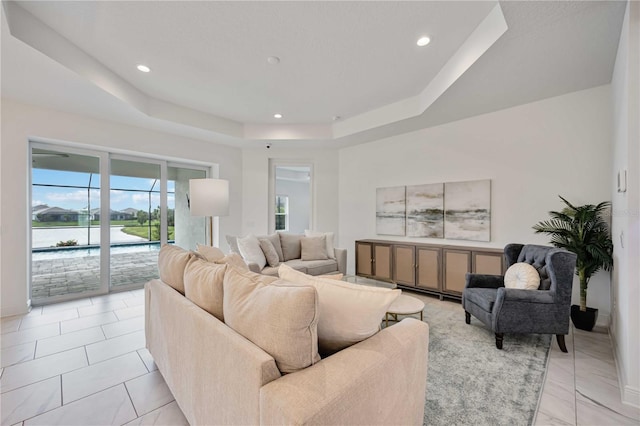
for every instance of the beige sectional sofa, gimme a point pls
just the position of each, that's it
(218, 376)
(288, 248)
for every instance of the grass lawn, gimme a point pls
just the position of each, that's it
(143, 231)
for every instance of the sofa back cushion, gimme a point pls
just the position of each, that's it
(290, 245)
(171, 263)
(210, 253)
(536, 256)
(280, 318)
(203, 285)
(349, 313)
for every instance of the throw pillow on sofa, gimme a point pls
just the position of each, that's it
(313, 248)
(349, 313)
(281, 318)
(269, 252)
(329, 240)
(523, 276)
(171, 263)
(250, 250)
(290, 245)
(203, 285)
(275, 240)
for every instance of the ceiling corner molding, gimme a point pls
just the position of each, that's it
(288, 131)
(168, 111)
(492, 27)
(30, 30)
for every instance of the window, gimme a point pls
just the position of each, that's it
(282, 213)
(98, 220)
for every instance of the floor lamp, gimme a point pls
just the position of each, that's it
(209, 198)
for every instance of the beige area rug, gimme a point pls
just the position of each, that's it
(469, 381)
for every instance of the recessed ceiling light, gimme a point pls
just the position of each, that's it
(143, 68)
(273, 60)
(277, 115)
(336, 117)
(423, 41)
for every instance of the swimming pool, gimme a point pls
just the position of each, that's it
(73, 252)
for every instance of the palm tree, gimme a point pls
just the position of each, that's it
(583, 231)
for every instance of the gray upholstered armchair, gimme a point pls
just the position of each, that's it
(510, 310)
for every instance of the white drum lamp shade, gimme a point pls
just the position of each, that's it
(209, 197)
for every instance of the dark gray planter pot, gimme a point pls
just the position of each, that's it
(584, 320)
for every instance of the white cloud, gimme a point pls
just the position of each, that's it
(37, 203)
(79, 195)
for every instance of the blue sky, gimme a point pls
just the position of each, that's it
(76, 198)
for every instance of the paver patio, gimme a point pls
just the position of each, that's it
(55, 277)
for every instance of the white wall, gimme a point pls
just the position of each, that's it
(255, 190)
(531, 153)
(625, 90)
(21, 122)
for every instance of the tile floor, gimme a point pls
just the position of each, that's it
(84, 362)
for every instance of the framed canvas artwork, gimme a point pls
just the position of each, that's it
(390, 210)
(467, 214)
(425, 210)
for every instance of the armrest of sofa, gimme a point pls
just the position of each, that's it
(381, 380)
(484, 281)
(341, 257)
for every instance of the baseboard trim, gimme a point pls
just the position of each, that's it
(603, 320)
(10, 311)
(628, 394)
(631, 396)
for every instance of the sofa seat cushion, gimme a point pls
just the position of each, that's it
(279, 317)
(320, 267)
(483, 297)
(349, 313)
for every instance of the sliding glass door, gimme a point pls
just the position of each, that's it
(65, 224)
(98, 220)
(135, 221)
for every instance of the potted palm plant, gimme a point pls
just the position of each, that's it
(583, 231)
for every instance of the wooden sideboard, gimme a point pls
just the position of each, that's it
(428, 268)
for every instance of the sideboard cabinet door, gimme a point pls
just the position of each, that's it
(488, 263)
(364, 259)
(457, 263)
(382, 262)
(428, 268)
(404, 264)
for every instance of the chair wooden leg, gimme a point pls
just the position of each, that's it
(467, 317)
(560, 339)
(499, 339)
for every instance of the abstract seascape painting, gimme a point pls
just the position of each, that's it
(425, 210)
(390, 211)
(467, 213)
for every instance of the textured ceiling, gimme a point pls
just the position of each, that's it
(337, 58)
